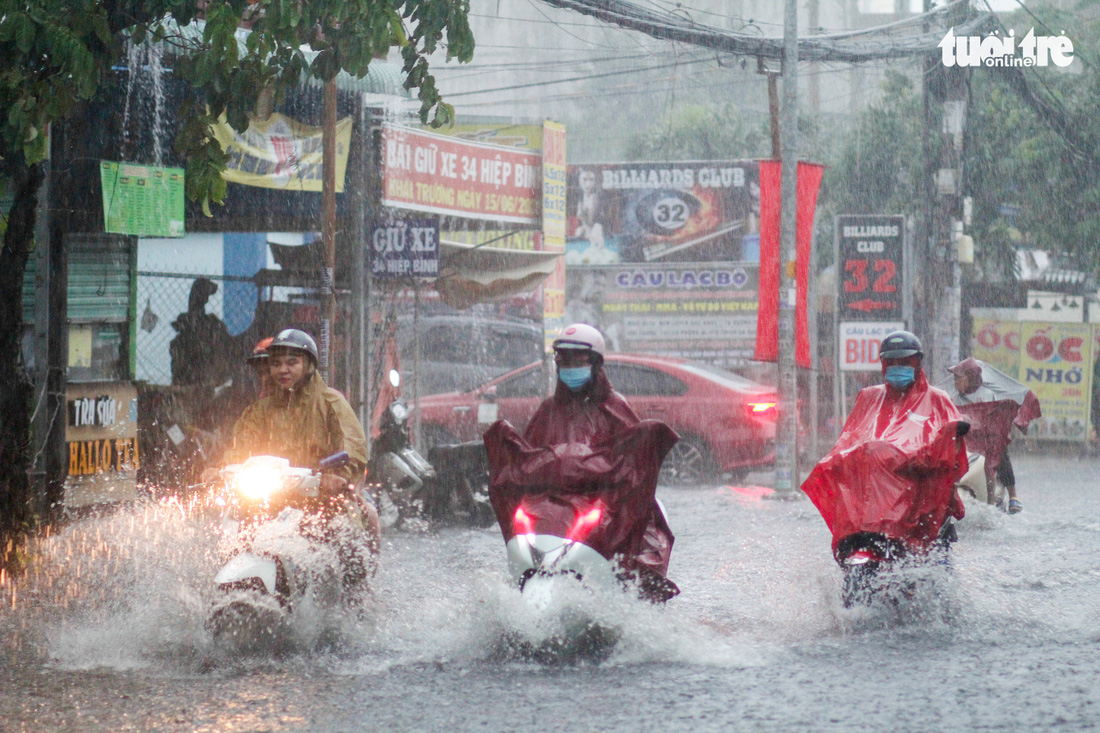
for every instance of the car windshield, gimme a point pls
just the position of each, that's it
(721, 376)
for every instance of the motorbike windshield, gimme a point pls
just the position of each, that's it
(555, 483)
(893, 469)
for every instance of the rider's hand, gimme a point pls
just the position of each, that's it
(332, 484)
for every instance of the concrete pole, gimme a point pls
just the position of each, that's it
(328, 227)
(787, 479)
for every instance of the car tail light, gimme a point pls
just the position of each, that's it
(585, 523)
(522, 523)
(765, 409)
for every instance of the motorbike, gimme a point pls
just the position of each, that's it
(976, 484)
(400, 476)
(449, 488)
(887, 491)
(287, 548)
(874, 565)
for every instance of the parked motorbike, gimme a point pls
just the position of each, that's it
(399, 475)
(288, 547)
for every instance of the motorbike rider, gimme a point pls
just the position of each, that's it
(585, 409)
(893, 469)
(993, 408)
(304, 421)
(257, 362)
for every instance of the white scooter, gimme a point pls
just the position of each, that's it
(401, 477)
(976, 487)
(284, 550)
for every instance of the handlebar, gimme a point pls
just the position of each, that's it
(334, 461)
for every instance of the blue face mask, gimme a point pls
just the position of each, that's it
(900, 377)
(575, 377)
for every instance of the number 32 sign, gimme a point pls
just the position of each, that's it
(871, 251)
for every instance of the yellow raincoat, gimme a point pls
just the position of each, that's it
(303, 426)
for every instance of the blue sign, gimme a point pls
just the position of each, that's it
(404, 248)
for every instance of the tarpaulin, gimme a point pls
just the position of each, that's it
(893, 469)
(576, 451)
(992, 409)
(767, 315)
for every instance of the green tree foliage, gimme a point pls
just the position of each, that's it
(58, 53)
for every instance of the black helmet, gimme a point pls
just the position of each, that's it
(292, 338)
(899, 345)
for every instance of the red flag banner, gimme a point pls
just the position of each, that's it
(767, 320)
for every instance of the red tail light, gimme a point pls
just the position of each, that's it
(762, 409)
(584, 523)
(522, 523)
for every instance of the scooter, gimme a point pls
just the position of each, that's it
(283, 550)
(978, 486)
(399, 475)
(874, 565)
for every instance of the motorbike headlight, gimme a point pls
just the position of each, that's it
(399, 412)
(258, 482)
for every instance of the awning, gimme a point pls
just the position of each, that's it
(470, 273)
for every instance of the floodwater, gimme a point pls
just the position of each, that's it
(108, 635)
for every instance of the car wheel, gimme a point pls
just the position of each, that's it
(687, 464)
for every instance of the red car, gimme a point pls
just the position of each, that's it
(726, 423)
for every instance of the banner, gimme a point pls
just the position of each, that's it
(767, 329)
(1056, 363)
(424, 171)
(700, 311)
(142, 200)
(662, 212)
(553, 228)
(872, 267)
(282, 153)
(997, 343)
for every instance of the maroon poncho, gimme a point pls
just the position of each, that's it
(578, 447)
(893, 469)
(992, 409)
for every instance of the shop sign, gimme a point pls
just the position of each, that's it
(860, 342)
(423, 171)
(404, 248)
(871, 258)
(1056, 363)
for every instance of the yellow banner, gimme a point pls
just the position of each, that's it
(282, 153)
(997, 343)
(1056, 364)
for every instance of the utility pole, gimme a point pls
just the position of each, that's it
(328, 227)
(947, 95)
(787, 477)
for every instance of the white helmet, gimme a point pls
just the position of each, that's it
(580, 336)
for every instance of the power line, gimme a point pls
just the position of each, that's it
(843, 47)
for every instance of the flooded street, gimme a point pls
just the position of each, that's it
(109, 635)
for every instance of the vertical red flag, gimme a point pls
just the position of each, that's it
(767, 318)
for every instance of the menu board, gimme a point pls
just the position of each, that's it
(142, 200)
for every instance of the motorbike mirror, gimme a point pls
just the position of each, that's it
(963, 428)
(335, 460)
(395, 378)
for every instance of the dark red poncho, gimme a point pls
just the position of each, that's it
(579, 447)
(893, 469)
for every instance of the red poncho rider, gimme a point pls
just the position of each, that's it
(586, 440)
(893, 470)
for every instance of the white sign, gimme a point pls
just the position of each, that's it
(860, 341)
(998, 50)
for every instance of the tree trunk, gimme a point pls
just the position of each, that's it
(16, 391)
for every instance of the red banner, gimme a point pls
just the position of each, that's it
(445, 175)
(767, 320)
